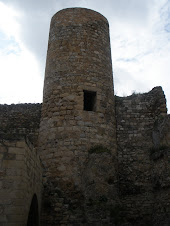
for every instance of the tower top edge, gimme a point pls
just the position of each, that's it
(78, 12)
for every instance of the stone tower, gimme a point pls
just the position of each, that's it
(77, 136)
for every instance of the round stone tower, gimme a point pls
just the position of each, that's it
(77, 136)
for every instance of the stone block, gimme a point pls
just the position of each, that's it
(3, 219)
(18, 218)
(18, 210)
(13, 164)
(16, 150)
(9, 156)
(21, 144)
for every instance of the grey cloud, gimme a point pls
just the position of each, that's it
(167, 27)
(37, 15)
(130, 11)
(127, 59)
(133, 14)
(126, 83)
(35, 22)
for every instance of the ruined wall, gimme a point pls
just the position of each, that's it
(20, 179)
(136, 116)
(78, 66)
(20, 120)
(160, 170)
(160, 178)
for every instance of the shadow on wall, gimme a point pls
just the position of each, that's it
(33, 216)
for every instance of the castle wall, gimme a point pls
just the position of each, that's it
(20, 120)
(161, 186)
(96, 170)
(78, 68)
(136, 116)
(20, 179)
(160, 170)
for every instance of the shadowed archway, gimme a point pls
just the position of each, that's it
(33, 216)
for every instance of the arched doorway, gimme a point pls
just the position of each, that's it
(33, 216)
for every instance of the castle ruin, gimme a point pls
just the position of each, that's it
(84, 156)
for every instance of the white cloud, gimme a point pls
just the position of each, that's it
(19, 71)
(8, 24)
(20, 83)
(140, 38)
(141, 54)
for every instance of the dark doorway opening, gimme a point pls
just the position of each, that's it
(33, 216)
(89, 100)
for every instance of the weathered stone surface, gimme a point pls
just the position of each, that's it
(78, 62)
(20, 120)
(142, 127)
(20, 179)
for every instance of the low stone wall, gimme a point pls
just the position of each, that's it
(136, 116)
(20, 120)
(20, 180)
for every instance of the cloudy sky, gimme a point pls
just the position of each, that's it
(140, 43)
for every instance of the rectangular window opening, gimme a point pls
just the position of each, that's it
(89, 100)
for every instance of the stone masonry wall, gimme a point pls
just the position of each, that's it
(136, 116)
(20, 179)
(20, 120)
(160, 178)
(78, 63)
(160, 172)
